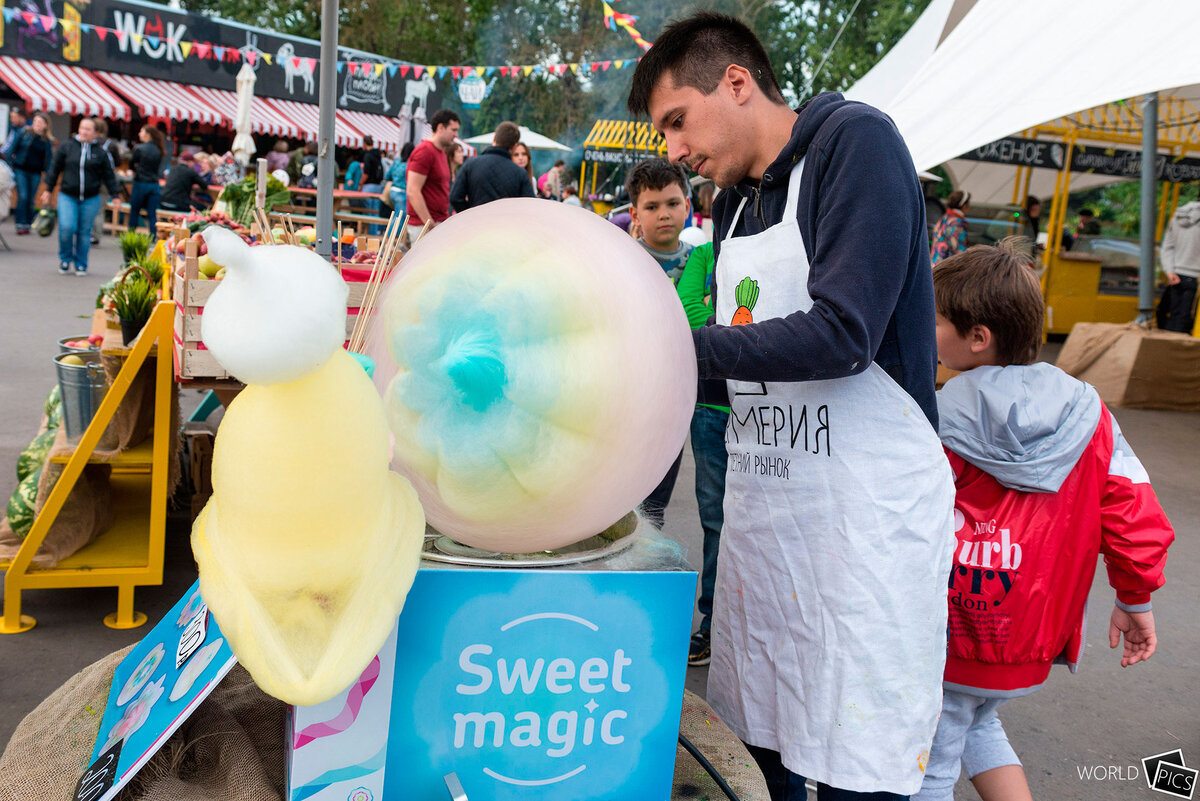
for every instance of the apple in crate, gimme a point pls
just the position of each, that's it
(208, 267)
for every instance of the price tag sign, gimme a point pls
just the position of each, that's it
(154, 689)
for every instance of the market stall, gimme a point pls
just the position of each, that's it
(612, 147)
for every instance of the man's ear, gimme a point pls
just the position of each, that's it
(740, 83)
(981, 338)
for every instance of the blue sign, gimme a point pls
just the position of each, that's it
(524, 684)
(154, 689)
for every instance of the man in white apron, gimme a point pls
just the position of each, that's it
(829, 623)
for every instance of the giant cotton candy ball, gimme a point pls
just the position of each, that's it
(538, 374)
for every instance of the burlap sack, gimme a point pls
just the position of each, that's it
(1135, 367)
(722, 748)
(87, 512)
(232, 747)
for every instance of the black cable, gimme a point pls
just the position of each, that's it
(708, 767)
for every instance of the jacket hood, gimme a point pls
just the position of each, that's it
(1024, 425)
(810, 116)
(1188, 215)
(496, 150)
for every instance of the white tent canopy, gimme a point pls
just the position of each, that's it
(885, 80)
(530, 138)
(988, 78)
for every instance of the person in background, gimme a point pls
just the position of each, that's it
(394, 180)
(203, 164)
(550, 185)
(1181, 262)
(1088, 224)
(352, 177)
(1045, 483)
(308, 167)
(455, 158)
(113, 150)
(1031, 222)
(571, 196)
(428, 176)
(83, 168)
(492, 175)
(372, 180)
(277, 159)
(177, 190)
(30, 159)
(17, 121)
(707, 436)
(659, 207)
(146, 163)
(522, 159)
(950, 233)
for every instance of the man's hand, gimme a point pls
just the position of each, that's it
(1138, 628)
(1172, 279)
(44, 198)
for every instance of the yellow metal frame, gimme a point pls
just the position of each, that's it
(1070, 286)
(623, 136)
(80, 569)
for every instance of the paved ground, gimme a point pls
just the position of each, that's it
(1104, 717)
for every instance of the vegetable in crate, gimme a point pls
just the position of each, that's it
(239, 197)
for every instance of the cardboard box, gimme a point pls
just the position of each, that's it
(1135, 367)
(524, 684)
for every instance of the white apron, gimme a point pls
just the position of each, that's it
(829, 623)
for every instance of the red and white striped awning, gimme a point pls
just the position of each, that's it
(265, 118)
(164, 99)
(307, 119)
(384, 130)
(60, 88)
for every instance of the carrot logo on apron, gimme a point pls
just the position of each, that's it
(746, 295)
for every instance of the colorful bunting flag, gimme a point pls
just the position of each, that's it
(392, 70)
(185, 48)
(101, 31)
(614, 19)
(266, 57)
(480, 71)
(152, 41)
(218, 52)
(404, 68)
(203, 49)
(341, 67)
(251, 57)
(119, 34)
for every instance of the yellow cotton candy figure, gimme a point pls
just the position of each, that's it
(309, 544)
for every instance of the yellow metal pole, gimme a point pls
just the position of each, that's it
(1017, 185)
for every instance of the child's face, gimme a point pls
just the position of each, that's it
(661, 214)
(959, 352)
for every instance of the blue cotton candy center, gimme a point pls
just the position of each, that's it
(475, 368)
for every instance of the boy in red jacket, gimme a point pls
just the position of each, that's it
(1044, 483)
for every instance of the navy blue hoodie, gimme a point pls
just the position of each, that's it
(862, 219)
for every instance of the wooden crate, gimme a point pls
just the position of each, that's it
(191, 292)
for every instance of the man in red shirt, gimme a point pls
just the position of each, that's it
(429, 175)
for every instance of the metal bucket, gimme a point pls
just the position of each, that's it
(83, 387)
(63, 347)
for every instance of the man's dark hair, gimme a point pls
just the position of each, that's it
(441, 117)
(100, 126)
(507, 135)
(994, 286)
(406, 151)
(696, 52)
(368, 141)
(560, 163)
(655, 174)
(1086, 212)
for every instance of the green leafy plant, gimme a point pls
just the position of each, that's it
(134, 296)
(239, 197)
(134, 246)
(154, 267)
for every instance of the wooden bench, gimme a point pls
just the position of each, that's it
(116, 218)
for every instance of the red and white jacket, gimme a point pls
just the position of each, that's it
(1045, 483)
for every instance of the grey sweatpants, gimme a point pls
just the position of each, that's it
(969, 736)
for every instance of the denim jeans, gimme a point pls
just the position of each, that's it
(27, 184)
(783, 785)
(75, 228)
(373, 204)
(144, 195)
(708, 450)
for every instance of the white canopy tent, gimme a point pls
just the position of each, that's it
(981, 83)
(892, 72)
(531, 139)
